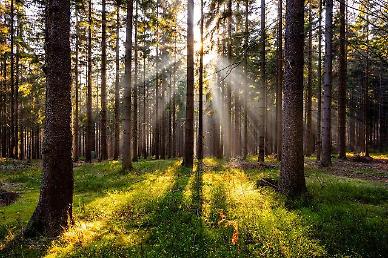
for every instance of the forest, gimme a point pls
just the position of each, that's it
(206, 128)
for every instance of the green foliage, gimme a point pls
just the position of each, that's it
(163, 210)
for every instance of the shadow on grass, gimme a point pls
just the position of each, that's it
(348, 216)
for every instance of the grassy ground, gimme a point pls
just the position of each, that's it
(162, 210)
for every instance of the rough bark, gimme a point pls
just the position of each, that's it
(279, 80)
(127, 129)
(103, 132)
(89, 118)
(200, 92)
(117, 88)
(189, 123)
(327, 85)
(342, 87)
(262, 96)
(54, 210)
(319, 79)
(292, 182)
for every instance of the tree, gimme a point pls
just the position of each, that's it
(279, 80)
(117, 86)
(292, 182)
(263, 93)
(54, 210)
(76, 85)
(308, 132)
(200, 92)
(189, 123)
(104, 148)
(89, 117)
(127, 103)
(319, 79)
(135, 89)
(342, 87)
(327, 84)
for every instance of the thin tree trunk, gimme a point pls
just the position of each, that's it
(89, 118)
(279, 82)
(319, 79)
(342, 87)
(127, 130)
(12, 73)
(135, 90)
(75, 121)
(262, 96)
(103, 139)
(326, 118)
(292, 181)
(245, 148)
(54, 210)
(200, 92)
(308, 133)
(117, 88)
(189, 123)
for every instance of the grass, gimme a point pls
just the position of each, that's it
(163, 210)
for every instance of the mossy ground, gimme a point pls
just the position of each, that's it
(163, 210)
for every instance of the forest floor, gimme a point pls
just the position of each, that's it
(163, 210)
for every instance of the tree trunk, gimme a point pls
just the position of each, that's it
(127, 130)
(135, 87)
(117, 88)
(342, 87)
(308, 133)
(262, 96)
(54, 210)
(279, 81)
(89, 118)
(319, 78)
(292, 181)
(200, 92)
(245, 148)
(75, 119)
(326, 117)
(104, 147)
(189, 123)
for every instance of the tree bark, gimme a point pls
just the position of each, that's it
(200, 91)
(103, 133)
(327, 85)
(189, 123)
(54, 210)
(319, 79)
(117, 88)
(135, 91)
(76, 109)
(342, 87)
(263, 92)
(292, 182)
(127, 130)
(89, 118)
(279, 81)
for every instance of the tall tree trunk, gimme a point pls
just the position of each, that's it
(103, 139)
(200, 92)
(327, 85)
(75, 119)
(54, 210)
(246, 89)
(279, 80)
(117, 88)
(308, 133)
(135, 87)
(319, 79)
(157, 113)
(12, 73)
(366, 89)
(127, 130)
(292, 181)
(342, 87)
(262, 96)
(16, 131)
(189, 123)
(89, 118)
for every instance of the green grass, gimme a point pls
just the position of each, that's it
(162, 210)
